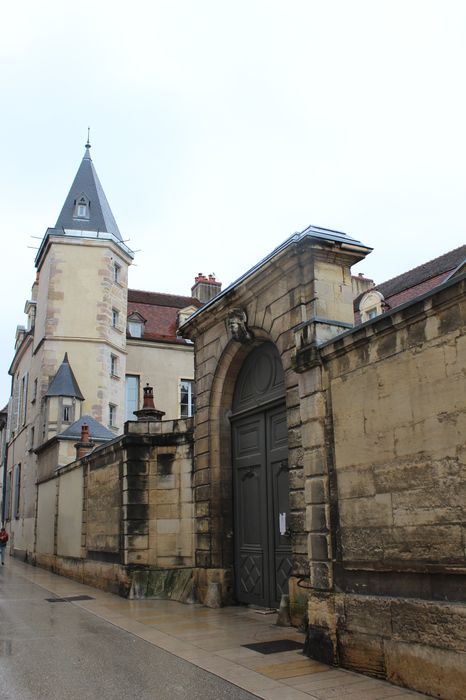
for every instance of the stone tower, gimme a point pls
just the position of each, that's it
(70, 359)
(81, 310)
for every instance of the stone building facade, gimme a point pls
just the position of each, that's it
(372, 516)
(82, 316)
(119, 516)
(327, 462)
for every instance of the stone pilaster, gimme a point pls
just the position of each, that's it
(321, 639)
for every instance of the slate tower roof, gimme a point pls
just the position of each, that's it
(95, 214)
(64, 382)
(97, 431)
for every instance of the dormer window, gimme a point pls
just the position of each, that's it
(135, 329)
(81, 209)
(136, 325)
(371, 305)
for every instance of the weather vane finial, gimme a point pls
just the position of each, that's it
(88, 145)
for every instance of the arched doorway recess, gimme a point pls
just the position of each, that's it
(261, 480)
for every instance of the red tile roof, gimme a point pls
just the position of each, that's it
(436, 269)
(420, 280)
(138, 296)
(160, 312)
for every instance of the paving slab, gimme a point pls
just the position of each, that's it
(210, 640)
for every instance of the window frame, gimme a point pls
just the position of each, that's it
(137, 324)
(190, 403)
(17, 491)
(8, 485)
(137, 377)
(82, 208)
(114, 365)
(112, 408)
(116, 272)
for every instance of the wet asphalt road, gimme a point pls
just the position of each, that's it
(58, 651)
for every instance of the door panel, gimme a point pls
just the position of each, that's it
(278, 500)
(261, 488)
(250, 509)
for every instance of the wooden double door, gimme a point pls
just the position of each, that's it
(261, 506)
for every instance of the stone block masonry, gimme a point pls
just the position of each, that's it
(132, 514)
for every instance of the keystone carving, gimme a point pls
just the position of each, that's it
(237, 325)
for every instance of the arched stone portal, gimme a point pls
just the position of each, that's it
(262, 537)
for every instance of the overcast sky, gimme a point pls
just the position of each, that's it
(220, 128)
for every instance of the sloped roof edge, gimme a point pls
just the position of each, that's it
(311, 233)
(64, 382)
(97, 431)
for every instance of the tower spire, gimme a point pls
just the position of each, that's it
(86, 207)
(88, 144)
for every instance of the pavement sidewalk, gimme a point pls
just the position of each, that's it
(215, 640)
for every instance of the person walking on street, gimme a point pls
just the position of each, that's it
(3, 541)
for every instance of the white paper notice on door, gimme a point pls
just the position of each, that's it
(282, 523)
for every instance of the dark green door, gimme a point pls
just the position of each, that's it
(261, 495)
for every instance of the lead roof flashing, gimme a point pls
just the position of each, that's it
(74, 233)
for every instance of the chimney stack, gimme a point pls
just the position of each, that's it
(205, 288)
(148, 411)
(85, 445)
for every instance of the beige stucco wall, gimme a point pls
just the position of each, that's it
(70, 513)
(162, 365)
(21, 528)
(103, 507)
(76, 290)
(46, 509)
(76, 296)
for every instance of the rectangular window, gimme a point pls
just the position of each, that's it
(67, 414)
(31, 439)
(115, 317)
(116, 272)
(186, 398)
(23, 400)
(15, 404)
(114, 365)
(34, 391)
(112, 415)
(8, 497)
(132, 396)
(17, 493)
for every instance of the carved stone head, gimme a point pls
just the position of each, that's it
(237, 325)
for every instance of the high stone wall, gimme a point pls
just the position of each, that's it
(395, 395)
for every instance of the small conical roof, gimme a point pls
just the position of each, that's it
(64, 382)
(99, 215)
